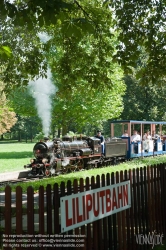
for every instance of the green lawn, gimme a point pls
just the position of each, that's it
(13, 156)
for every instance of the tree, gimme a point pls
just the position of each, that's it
(87, 107)
(141, 25)
(28, 123)
(67, 23)
(27, 59)
(7, 116)
(23, 102)
(79, 51)
(5, 52)
(25, 128)
(89, 82)
(145, 103)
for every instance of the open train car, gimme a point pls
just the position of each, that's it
(144, 147)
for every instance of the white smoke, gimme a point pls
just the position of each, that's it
(44, 37)
(42, 90)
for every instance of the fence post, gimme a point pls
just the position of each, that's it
(49, 209)
(99, 223)
(19, 225)
(30, 211)
(89, 233)
(129, 213)
(114, 218)
(62, 194)
(105, 220)
(149, 204)
(119, 221)
(56, 202)
(163, 195)
(8, 211)
(83, 227)
(110, 224)
(94, 223)
(41, 210)
(146, 199)
(123, 217)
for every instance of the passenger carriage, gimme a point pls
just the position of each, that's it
(155, 146)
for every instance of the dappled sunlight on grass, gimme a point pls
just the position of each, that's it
(14, 156)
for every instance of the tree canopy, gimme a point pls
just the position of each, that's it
(140, 25)
(82, 42)
(145, 103)
(7, 116)
(67, 23)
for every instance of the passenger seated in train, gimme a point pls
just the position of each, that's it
(146, 141)
(125, 134)
(135, 138)
(155, 137)
(147, 136)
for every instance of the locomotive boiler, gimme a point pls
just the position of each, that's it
(56, 157)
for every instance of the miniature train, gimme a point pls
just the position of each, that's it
(55, 157)
(66, 155)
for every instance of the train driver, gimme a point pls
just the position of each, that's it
(135, 137)
(46, 139)
(102, 140)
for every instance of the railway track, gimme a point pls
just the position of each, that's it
(17, 181)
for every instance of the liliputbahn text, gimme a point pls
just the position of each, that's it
(86, 207)
(55, 157)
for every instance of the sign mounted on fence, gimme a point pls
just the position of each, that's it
(86, 207)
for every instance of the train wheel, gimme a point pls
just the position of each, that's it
(47, 172)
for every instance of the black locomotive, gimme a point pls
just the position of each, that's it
(61, 156)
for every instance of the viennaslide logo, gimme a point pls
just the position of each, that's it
(150, 239)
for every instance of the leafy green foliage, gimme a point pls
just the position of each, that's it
(7, 116)
(141, 24)
(5, 52)
(22, 102)
(69, 25)
(86, 107)
(82, 67)
(143, 103)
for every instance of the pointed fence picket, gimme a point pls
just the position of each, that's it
(40, 214)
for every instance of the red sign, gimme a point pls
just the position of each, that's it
(82, 208)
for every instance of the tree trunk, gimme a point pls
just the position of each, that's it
(31, 133)
(64, 130)
(59, 132)
(19, 135)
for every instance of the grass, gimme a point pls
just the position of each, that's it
(160, 247)
(13, 156)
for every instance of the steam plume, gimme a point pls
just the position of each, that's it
(42, 89)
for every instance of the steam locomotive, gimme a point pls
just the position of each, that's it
(54, 157)
(68, 155)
